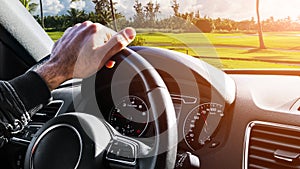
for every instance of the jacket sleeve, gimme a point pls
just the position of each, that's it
(19, 100)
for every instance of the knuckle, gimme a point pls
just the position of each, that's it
(119, 44)
(93, 28)
(121, 40)
(86, 23)
(77, 25)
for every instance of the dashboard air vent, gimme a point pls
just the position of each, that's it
(270, 145)
(47, 112)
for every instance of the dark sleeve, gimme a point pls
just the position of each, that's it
(18, 100)
(31, 89)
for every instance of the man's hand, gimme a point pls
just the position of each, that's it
(82, 51)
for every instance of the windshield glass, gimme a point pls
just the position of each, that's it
(229, 34)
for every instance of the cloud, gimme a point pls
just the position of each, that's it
(189, 6)
(89, 6)
(66, 4)
(78, 5)
(50, 7)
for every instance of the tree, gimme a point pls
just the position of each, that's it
(113, 14)
(175, 7)
(204, 25)
(259, 27)
(75, 16)
(151, 10)
(146, 15)
(198, 15)
(105, 10)
(139, 16)
(156, 9)
(30, 6)
(42, 14)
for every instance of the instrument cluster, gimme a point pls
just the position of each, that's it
(197, 121)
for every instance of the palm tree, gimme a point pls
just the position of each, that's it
(139, 17)
(42, 14)
(75, 16)
(106, 11)
(113, 15)
(259, 27)
(31, 7)
(175, 7)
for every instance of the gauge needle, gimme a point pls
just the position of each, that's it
(205, 126)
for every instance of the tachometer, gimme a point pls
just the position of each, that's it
(201, 123)
(130, 116)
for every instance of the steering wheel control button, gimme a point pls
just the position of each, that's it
(122, 151)
(187, 161)
(26, 135)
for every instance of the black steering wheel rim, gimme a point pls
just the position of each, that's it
(166, 128)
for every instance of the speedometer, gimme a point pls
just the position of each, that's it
(130, 116)
(201, 123)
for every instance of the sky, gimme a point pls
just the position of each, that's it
(232, 9)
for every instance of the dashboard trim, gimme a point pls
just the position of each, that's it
(182, 98)
(60, 107)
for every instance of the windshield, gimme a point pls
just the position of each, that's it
(229, 34)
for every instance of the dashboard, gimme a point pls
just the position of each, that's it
(259, 127)
(237, 119)
(212, 126)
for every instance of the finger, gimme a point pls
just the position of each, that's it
(55, 44)
(116, 43)
(85, 30)
(86, 23)
(66, 33)
(76, 25)
(67, 30)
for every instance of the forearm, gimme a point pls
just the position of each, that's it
(52, 74)
(18, 99)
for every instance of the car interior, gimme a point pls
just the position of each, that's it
(155, 108)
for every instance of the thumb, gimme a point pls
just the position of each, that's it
(118, 42)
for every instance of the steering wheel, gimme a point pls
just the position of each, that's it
(80, 140)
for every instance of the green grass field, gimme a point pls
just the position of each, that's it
(229, 50)
(55, 35)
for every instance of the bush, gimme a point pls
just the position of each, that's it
(138, 41)
(204, 25)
